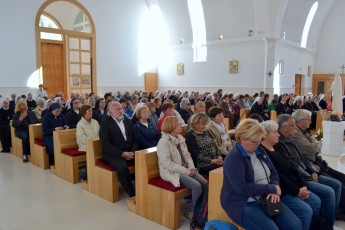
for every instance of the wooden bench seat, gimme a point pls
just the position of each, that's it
(244, 113)
(215, 210)
(38, 154)
(102, 179)
(17, 144)
(66, 154)
(155, 199)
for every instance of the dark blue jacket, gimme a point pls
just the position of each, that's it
(238, 183)
(147, 137)
(50, 122)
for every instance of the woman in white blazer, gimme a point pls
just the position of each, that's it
(87, 128)
(175, 162)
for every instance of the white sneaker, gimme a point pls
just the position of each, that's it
(336, 228)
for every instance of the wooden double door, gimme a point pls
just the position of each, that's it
(53, 67)
(322, 84)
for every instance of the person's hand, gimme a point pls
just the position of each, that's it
(66, 127)
(192, 172)
(128, 155)
(303, 193)
(23, 115)
(217, 161)
(59, 128)
(279, 191)
(315, 177)
(274, 197)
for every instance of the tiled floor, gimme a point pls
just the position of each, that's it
(33, 199)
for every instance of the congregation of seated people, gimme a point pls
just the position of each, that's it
(125, 123)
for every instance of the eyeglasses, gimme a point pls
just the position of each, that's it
(290, 125)
(257, 142)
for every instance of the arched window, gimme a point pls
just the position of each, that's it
(307, 24)
(81, 23)
(48, 22)
(197, 19)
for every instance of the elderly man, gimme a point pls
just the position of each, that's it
(39, 109)
(118, 144)
(327, 189)
(311, 149)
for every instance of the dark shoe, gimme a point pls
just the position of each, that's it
(25, 159)
(340, 216)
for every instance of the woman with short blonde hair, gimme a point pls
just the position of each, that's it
(175, 163)
(248, 175)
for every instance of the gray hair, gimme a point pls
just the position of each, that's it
(283, 119)
(269, 126)
(301, 114)
(40, 99)
(184, 103)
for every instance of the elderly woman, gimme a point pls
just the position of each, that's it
(39, 108)
(175, 163)
(201, 145)
(227, 110)
(185, 110)
(146, 133)
(153, 117)
(6, 114)
(21, 121)
(87, 128)
(249, 173)
(218, 131)
(295, 193)
(47, 108)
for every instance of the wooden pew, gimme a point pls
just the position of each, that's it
(319, 119)
(66, 154)
(215, 210)
(38, 154)
(244, 113)
(17, 144)
(102, 180)
(154, 200)
(273, 115)
(227, 123)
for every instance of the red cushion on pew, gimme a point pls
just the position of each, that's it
(159, 182)
(39, 142)
(73, 152)
(101, 163)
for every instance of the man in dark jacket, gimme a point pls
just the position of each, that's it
(118, 143)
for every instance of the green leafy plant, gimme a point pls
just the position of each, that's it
(319, 135)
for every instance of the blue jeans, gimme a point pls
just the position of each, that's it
(329, 190)
(196, 183)
(254, 218)
(303, 209)
(24, 135)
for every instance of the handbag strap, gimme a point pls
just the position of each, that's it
(265, 171)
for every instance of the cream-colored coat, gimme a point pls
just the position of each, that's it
(217, 139)
(86, 130)
(169, 158)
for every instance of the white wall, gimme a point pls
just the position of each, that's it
(331, 45)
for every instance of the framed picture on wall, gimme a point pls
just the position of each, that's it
(233, 66)
(180, 69)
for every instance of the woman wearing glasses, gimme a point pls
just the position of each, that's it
(248, 175)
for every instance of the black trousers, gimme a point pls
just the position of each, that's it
(121, 167)
(5, 137)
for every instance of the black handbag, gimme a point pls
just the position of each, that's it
(271, 209)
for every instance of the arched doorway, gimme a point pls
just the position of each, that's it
(65, 47)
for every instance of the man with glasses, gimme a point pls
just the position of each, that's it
(311, 149)
(327, 189)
